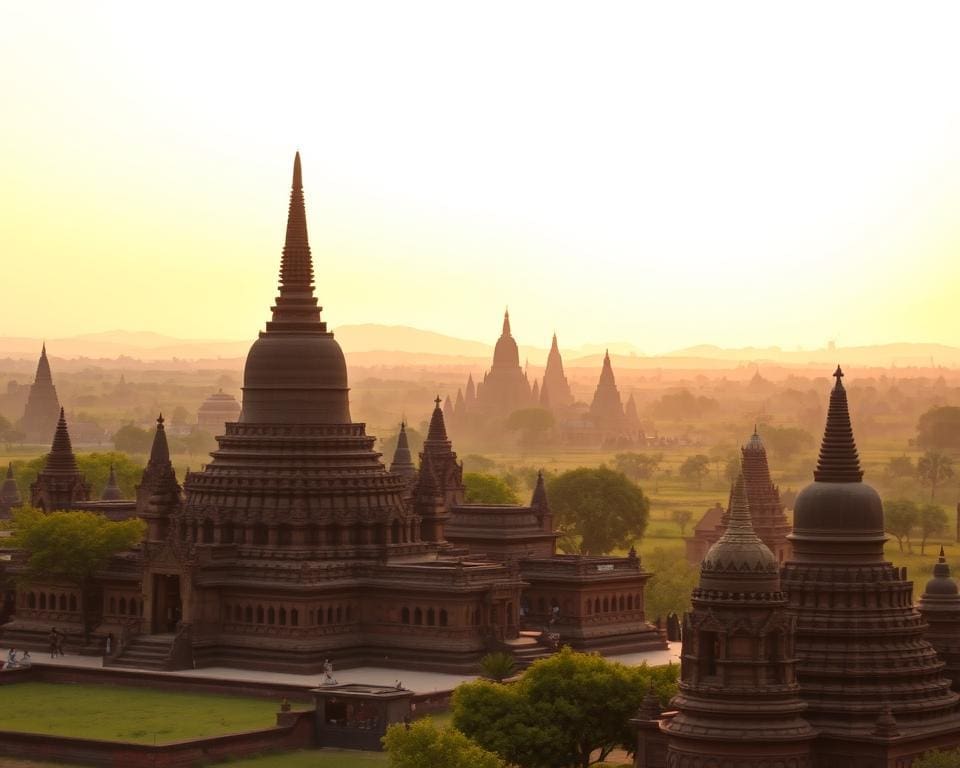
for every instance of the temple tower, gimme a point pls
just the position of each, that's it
(940, 608)
(9, 493)
(40, 413)
(294, 473)
(402, 463)
(606, 410)
(158, 494)
(860, 640)
(440, 483)
(540, 505)
(554, 380)
(739, 700)
(505, 387)
(60, 484)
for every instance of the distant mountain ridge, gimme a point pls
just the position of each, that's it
(398, 345)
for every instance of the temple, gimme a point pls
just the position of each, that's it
(295, 544)
(841, 633)
(216, 411)
(555, 392)
(42, 407)
(766, 510)
(504, 388)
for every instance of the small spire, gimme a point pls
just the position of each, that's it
(61, 456)
(402, 463)
(740, 520)
(943, 558)
(159, 451)
(539, 499)
(838, 461)
(506, 322)
(438, 428)
(112, 490)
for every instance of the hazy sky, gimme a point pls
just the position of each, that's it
(664, 173)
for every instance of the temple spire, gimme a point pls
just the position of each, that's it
(402, 463)
(438, 428)
(839, 461)
(506, 323)
(112, 490)
(296, 307)
(61, 456)
(159, 451)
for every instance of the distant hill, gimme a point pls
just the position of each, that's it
(372, 345)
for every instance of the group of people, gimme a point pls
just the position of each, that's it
(15, 662)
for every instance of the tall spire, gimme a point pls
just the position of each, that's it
(43, 368)
(61, 458)
(296, 307)
(539, 499)
(839, 461)
(506, 323)
(159, 451)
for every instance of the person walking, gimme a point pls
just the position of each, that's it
(52, 639)
(60, 639)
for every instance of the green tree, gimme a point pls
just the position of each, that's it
(900, 518)
(668, 590)
(786, 442)
(938, 759)
(180, 416)
(695, 468)
(566, 711)
(682, 518)
(71, 546)
(931, 521)
(94, 466)
(488, 489)
(420, 744)
(939, 429)
(533, 424)
(721, 456)
(600, 507)
(132, 439)
(934, 467)
(637, 466)
(498, 666)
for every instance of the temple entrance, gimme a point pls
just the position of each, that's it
(167, 607)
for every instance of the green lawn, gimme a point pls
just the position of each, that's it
(118, 713)
(314, 758)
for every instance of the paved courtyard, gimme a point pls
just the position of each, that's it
(419, 682)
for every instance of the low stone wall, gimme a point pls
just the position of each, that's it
(295, 730)
(134, 678)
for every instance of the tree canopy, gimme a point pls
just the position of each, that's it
(488, 489)
(668, 590)
(695, 468)
(421, 743)
(900, 516)
(786, 442)
(599, 507)
(571, 709)
(938, 759)
(637, 466)
(132, 439)
(934, 468)
(94, 466)
(533, 424)
(939, 429)
(932, 520)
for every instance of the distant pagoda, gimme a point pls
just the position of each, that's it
(940, 607)
(9, 493)
(555, 392)
(60, 484)
(606, 410)
(505, 387)
(216, 411)
(42, 409)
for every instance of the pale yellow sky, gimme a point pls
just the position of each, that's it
(664, 173)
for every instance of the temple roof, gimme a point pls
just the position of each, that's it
(438, 428)
(159, 450)
(740, 551)
(43, 368)
(941, 585)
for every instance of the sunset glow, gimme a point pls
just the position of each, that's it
(733, 174)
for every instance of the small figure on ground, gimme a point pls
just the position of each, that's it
(52, 639)
(11, 662)
(328, 678)
(60, 638)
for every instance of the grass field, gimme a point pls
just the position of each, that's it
(117, 713)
